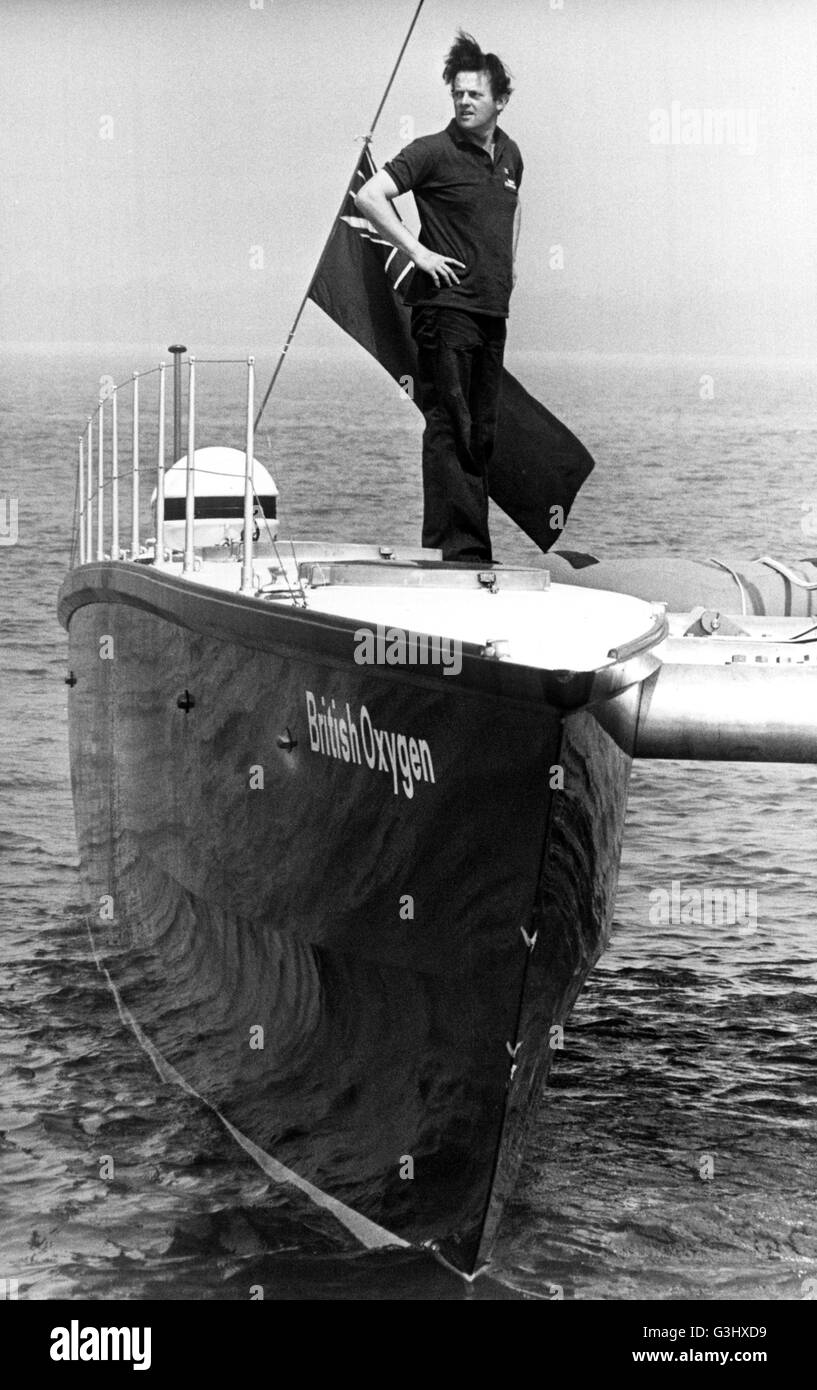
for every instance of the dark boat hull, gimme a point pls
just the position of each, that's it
(360, 967)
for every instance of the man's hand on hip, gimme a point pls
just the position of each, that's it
(438, 267)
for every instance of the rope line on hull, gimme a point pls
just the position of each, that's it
(368, 1233)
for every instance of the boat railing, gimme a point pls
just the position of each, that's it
(101, 476)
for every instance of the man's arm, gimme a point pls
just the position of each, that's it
(517, 223)
(374, 201)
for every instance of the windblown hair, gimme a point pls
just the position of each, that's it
(465, 55)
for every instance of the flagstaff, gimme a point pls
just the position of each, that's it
(367, 140)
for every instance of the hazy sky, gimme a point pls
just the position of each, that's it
(151, 147)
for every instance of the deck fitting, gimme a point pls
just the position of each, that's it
(496, 649)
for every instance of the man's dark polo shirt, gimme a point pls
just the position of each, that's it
(466, 205)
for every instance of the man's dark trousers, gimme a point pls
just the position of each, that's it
(460, 372)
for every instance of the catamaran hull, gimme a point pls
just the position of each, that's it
(764, 586)
(364, 968)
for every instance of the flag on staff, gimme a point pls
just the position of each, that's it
(537, 466)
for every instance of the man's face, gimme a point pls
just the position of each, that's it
(474, 107)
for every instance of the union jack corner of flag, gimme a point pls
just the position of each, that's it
(396, 264)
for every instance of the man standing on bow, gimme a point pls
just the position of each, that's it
(465, 181)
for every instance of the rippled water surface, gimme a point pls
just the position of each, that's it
(674, 1152)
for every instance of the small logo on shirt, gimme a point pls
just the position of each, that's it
(509, 182)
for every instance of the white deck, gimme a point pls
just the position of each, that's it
(555, 628)
(558, 629)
